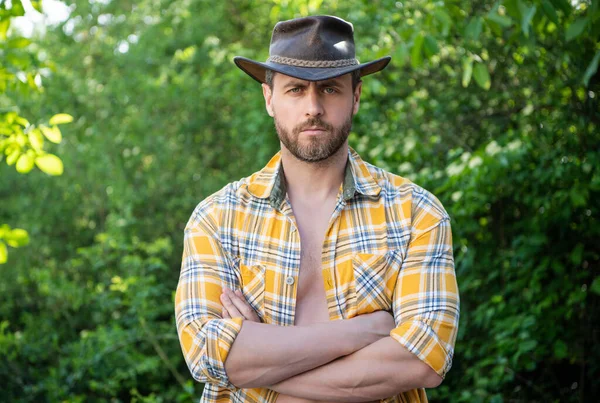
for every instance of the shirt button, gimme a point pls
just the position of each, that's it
(289, 280)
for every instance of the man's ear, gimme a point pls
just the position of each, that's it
(357, 92)
(268, 94)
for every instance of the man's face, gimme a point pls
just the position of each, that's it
(313, 119)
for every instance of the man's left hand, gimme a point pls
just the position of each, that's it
(235, 306)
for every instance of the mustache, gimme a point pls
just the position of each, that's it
(312, 122)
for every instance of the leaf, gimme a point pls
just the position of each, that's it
(4, 24)
(528, 345)
(53, 133)
(527, 14)
(18, 43)
(431, 47)
(501, 20)
(37, 5)
(591, 69)
(467, 71)
(401, 54)
(13, 157)
(474, 28)
(3, 253)
(416, 56)
(482, 76)
(17, 237)
(576, 255)
(550, 11)
(61, 118)
(50, 164)
(36, 139)
(595, 287)
(576, 29)
(24, 163)
(443, 17)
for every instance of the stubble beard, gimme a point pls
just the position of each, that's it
(320, 147)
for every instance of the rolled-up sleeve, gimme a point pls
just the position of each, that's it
(206, 338)
(426, 300)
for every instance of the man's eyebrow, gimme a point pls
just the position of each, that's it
(331, 83)
(295, 83)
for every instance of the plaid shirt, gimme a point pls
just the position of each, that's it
(388, 247)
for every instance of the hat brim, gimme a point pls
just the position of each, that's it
(256, 70)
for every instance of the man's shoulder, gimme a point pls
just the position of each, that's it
(232, 196)
(398, 190)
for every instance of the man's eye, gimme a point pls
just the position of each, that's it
(329, 90)
(295, 90)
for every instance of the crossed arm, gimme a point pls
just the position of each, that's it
(348, 361)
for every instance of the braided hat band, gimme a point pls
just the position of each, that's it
(313, 63)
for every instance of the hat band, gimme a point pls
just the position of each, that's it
(312, 63)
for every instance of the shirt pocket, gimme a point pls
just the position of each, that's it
(375, 278)
(253, 287)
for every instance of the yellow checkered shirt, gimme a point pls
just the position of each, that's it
(388, 247)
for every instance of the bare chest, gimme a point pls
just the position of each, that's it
(311, 301)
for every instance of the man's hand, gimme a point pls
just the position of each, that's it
(235, 306)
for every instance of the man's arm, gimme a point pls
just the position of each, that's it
(378, 371)
(230, 353)
(265, 354)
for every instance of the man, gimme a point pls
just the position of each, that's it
(320, 277)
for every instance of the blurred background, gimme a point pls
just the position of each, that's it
(118, 117)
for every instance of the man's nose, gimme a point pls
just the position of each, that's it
(314, 104)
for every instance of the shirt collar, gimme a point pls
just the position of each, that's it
(270, 183)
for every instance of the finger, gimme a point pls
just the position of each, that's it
(225, 314)
(228, 304)
(243, 306)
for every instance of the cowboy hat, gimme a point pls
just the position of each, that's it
(311, 48)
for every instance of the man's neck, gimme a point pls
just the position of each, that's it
(314, 182)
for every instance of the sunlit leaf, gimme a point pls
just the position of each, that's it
(467, 71)
(17, 43)
(17, 237)
(37, 5)
(50, 164)
(3, 253)
(24, 163)
(482, 76)
(4, 24)
(576, 29)
(61, 118)
(36, 139)
(53, 133)
(13, 157)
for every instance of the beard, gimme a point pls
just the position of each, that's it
(319, 147)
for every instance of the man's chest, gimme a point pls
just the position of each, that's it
(293, 267)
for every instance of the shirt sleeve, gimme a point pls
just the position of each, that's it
(426, 300)
(205, 337)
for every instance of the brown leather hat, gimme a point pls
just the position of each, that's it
(311, 48)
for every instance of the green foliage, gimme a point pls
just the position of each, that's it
(22, 143)
(493, 106)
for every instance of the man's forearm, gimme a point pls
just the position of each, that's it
(265, 354)
(382, 369)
